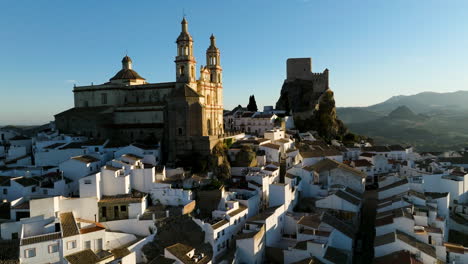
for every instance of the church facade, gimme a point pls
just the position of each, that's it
(186, 116)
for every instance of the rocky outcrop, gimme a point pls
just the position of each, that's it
(312, 107)
(219, 162)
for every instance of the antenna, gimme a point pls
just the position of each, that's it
(183, 12)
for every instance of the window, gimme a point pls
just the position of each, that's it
(104, 211)
(33, 189)
(103, 98)
(123, 208)
(14, 235)
(180, 131)
(53, 248)
(87, 244)
(96, 149)
(5, 191)
(30, 253)
(182, 70)
(98, 244)
(71, 244)
(87, 181)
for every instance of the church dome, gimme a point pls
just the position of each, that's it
(127, 74)
(126, 59)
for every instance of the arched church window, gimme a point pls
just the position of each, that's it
(208, 126)
(193, 71)
(212, 77)
(182, 70)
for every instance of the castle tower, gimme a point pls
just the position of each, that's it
(211, 81)
(185, 61)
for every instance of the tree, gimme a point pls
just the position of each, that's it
(252, 106)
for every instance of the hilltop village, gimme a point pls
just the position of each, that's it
(140, 172)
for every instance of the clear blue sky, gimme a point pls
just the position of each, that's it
(374, 49)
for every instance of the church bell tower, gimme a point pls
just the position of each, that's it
(185, 61)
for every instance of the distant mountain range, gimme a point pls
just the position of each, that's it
(428, 121)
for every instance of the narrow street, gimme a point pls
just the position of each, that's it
(366, 234)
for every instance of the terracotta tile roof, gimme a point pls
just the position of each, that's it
(19, 137)
(23, 205)
(86, 159)
(40, 238)
(112, 168)
(312, 260)
(436, 195)
(362, 163)
(271, 146)
(145, 147)
(5, 180)
(270, 169)
(384, 239)
(68, 223)
(368, 155)
(455, 248)
(26, 181)
(335, 255)
(347, 197)
(86, 256)
(246, 235)
(338, 224)
(121, 198)
(91, 229)
(315, 153)
(133, 157)
(302, 245)
(431, 229)
(393, 185)
(237, 211)
(255, 183)
(429, 250)
(328, 164)
(312, 221)
(120, 252)
(219, 224)
(376, 149)
(55, 145)
(283, 140)
(180, 251)
(396, 148)
(354, 193)
(384, 221)
(398, 257)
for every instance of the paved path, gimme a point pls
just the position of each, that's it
(367, 229)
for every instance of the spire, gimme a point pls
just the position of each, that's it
(184, 34)
(184, 25)
(213, 40)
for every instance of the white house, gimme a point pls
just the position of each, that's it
(78, 167)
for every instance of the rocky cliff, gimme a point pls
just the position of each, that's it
(311, 107)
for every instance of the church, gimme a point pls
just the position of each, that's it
(186, 116)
